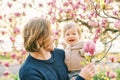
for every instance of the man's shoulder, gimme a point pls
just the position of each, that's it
(58, 50)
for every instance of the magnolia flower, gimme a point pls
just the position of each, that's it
(6, 73)
(93, 23)
(16, 30)
(108, 1)
(6, 64)
(89, 47)
(23, 52)
(111, 74)
(65, 3)
(3, 32)
(12, 38)
(13, 55)
(17, 14)
(115, 12)
(0, 17)
(9, 4)
(117, 24)
(60, 10)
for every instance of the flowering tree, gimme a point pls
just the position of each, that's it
(99, 20)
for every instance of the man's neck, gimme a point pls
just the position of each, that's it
(41, 55)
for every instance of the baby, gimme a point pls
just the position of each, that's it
(74, 54)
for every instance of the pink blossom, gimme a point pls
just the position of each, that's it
(12, 38)
(70, 2)
(52, 3)
(17, 14)
(23, 52)
(16, 30)
(20, 61)
(56, 35)
(13, 55)
(115, 12)
(96, 37)
(81, 16)
(50, 12)
(3, 32)
(117, 24)
(6, 64)
(68, 10)
(103, 23)
(65, 3)
(9, 4)
(98, 30)
(6, 73)
(73, 15)
(60, 10)
(107, 73)
(84, 7)
(53, 19)
(78, 2)
(75, 7)
(0, 17)
(111, 74)
(18, 58)
(108, 1)
(97, 34)
(93, 23)
(89, 47)
(93, 14)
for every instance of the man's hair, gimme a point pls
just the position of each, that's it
(36, 33)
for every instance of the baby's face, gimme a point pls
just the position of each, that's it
(71, 36)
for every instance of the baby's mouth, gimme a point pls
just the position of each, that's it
(71, 40)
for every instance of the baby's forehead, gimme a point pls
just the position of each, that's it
(72, 29)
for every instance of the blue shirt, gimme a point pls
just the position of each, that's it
(52, 69)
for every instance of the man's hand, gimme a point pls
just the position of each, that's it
(88, 71)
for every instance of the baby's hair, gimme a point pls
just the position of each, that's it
(73, 25)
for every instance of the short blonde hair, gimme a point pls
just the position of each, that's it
(35, 30)
(73, 25)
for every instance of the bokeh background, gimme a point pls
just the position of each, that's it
(99, 21)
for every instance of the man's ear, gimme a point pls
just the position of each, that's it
(40, 41)
(39, 44)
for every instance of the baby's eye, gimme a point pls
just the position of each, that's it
(67, 34)
(74, 33)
